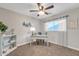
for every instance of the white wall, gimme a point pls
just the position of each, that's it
(14, 20)
(70, 38)
(73, 35)
(57, 38)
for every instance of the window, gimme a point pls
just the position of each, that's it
(58, 25)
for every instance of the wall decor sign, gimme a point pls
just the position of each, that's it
(27, 24)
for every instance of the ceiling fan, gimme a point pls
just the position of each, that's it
(41, 9)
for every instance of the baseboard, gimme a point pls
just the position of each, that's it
(66, 46)
(53, 43)
(10, 50)
(23, 44)
(73, 48)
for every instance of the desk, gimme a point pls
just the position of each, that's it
(39, 37)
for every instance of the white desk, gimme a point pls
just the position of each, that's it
(42, 37)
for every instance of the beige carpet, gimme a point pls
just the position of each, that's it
(41, 50)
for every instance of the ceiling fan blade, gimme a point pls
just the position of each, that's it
(46, 13)
(38, 4)
(42, 7)
(33, 10)
(52, 6)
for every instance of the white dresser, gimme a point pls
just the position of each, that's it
(7, 44)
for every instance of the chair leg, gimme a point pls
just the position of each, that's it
(30, 43)
(47, 43)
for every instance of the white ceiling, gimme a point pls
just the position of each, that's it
(24, 8)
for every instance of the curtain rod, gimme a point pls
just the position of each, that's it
(62, 17)
(59, 17)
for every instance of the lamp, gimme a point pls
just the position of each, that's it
(32, 29)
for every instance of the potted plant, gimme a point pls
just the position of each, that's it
(3, 27)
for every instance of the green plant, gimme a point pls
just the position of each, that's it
(3, 27)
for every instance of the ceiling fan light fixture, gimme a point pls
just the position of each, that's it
(41, 13)
(40, 7)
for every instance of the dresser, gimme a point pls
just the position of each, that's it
(7, 44)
